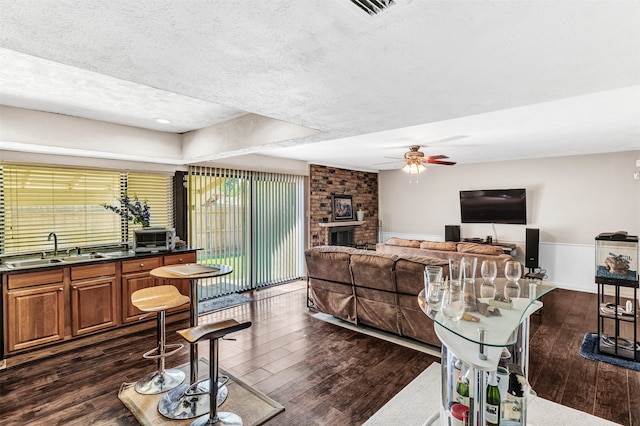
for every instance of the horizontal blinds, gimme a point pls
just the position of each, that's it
(39, 200)
(157, 191)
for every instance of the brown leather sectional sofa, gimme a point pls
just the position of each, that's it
(370, 288)
(446, 250)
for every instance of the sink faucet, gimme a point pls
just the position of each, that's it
(55, 242)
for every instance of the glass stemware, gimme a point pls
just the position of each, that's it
(512, 271)
(489, 272)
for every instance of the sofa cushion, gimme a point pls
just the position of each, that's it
(410, 272)
(331, 264)
(479, 249)
(438, 245)
(403, 242)
(374, 270)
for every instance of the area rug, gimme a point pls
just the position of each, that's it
(389, 337)
(420, 400)
(589, 350)
(253, 407)
(222, 302)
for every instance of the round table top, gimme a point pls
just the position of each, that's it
(189, 271)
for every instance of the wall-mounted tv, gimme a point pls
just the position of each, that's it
(494, 206)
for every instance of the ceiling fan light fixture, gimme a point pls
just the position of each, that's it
(414, 167)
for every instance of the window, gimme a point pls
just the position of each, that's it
(35, 201)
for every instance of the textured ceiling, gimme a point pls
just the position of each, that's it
(475, 80)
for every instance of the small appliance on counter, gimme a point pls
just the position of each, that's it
(150, 240)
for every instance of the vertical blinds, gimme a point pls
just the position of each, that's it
(250, 221)
(39, 200)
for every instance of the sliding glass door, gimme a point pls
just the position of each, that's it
(251, 221)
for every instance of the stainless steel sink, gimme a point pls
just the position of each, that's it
(33, 262)
(87, 256)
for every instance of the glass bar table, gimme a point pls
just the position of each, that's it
(482, 343)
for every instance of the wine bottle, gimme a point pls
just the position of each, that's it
(462, 386)
(492, 404)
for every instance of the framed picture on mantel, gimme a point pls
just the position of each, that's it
(342, 207)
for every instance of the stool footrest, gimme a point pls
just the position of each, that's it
(193, 390)
(148, 354)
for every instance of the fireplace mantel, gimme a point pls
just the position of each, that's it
(345, 223)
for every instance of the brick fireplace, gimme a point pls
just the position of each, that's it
(325, 182)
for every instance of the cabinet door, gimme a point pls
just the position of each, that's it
(131, 283)
(93, 305)
(35, 316)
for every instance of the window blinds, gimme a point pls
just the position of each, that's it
(251, 221)
(36, 201)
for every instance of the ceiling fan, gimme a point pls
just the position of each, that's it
(415, 160)
(414, 155)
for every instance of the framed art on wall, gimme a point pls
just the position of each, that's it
(342, 207)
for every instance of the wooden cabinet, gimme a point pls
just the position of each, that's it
(135, 276)
(55, 304)
(35, 309)
(94, 298)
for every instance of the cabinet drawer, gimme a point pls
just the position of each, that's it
(145, 264)
(29, 279)
(91, 271)
(177, 259)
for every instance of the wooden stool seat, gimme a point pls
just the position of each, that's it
(212, 331)
(158, 298)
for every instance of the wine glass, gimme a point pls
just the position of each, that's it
(489, 272)
(512, 271)
(453, 302)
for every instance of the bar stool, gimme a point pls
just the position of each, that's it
(212, 333)
(159, 299)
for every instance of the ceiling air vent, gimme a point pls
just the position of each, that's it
(373, 7)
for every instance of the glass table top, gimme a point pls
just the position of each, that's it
(492, 329)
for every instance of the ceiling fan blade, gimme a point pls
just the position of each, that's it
(444, 163)
(437, 157)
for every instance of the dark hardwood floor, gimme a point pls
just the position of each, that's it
(321, 373)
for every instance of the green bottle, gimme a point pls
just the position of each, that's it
(462, 387)
(492, 404)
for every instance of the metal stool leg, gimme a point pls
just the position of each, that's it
(214, 417)
(161, 380)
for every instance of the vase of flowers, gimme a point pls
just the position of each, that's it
(132, 209)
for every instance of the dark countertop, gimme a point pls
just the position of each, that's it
(106, 256)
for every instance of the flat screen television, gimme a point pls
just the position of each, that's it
(494, 206)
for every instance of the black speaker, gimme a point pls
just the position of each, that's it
(452, 233)
(532, 248)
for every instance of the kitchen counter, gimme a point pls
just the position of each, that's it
(21, 263)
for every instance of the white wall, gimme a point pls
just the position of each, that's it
(570, 199)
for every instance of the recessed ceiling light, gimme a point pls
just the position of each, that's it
(162, 121)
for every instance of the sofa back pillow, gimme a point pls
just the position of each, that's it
(479, 249)
(401, 242)
(438, 245)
